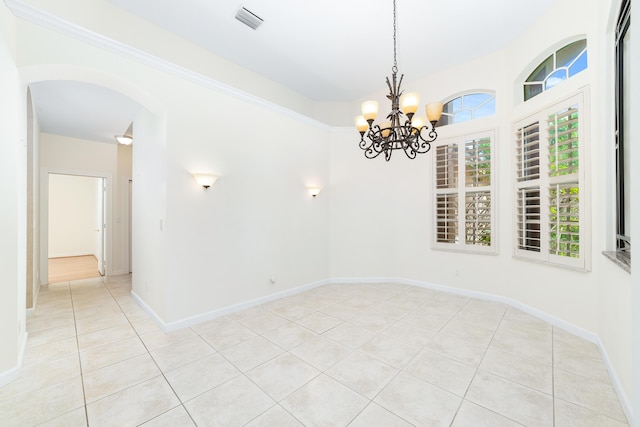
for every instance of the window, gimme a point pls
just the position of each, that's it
(468, 107)
(551, 218)
(623, 141)
(559, 66)
(464, 193)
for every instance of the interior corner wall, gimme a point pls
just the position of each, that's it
(13, 206)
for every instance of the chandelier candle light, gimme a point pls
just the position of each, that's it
(402, 130)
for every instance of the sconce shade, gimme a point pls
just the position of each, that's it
(314, 191)
(205, 179)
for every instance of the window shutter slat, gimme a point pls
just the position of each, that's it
(478, 162)
(528, 152)
(563, 142)
(564, 220)
(447, 166)
(478, 218)
(529, 219)
(447, 218)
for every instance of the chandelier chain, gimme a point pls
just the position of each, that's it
(395, 61)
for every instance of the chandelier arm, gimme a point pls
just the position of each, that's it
(372, 152)
(410, 152)
(387, 155)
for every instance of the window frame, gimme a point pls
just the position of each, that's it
(545, 181)
(461, 96)
(461, 191)
(553, 56)
(623, 241)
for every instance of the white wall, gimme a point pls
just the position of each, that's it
(12, 211)
(150, 262)
(72, 215)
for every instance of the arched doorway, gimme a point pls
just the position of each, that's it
(118, 178)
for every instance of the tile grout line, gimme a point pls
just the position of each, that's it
(464, 397)
(75, 326)
(154, 361)
(371, 401)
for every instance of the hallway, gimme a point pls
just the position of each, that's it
(340, 354)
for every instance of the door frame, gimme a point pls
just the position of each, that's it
(44, 216)
(101, 241)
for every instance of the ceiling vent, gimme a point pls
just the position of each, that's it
(248, 18)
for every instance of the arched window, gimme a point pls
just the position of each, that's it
(468, 107)
(559, 66)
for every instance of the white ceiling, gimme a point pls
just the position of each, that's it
(82, 110)
(330, 50)
(341, 50)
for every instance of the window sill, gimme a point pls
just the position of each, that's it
(618, 260)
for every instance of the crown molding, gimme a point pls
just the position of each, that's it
(69, 29)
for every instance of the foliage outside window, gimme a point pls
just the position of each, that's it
(550, 196)
(468, 107)
(464, 193)
(623, 140)
(557, 67)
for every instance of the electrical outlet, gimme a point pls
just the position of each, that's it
(273, 279)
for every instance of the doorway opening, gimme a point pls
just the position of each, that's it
(76, 231)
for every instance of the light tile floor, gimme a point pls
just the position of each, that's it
(341, 354)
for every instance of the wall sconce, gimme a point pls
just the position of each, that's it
(124, 139)
(314, 191)
(205, 179)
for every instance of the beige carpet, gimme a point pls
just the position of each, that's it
(72, 268)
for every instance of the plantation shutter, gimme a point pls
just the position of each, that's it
(463, 198)
(550, 206)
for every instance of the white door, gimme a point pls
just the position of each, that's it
(100, 224)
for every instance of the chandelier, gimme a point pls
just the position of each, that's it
(402, 130)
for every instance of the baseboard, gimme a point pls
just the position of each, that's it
(70, 255)
(224, 311)
(14, 373)
(143, 305)
(117, 273)
(617, 385)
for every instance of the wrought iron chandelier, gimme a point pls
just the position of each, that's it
(402, 130)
